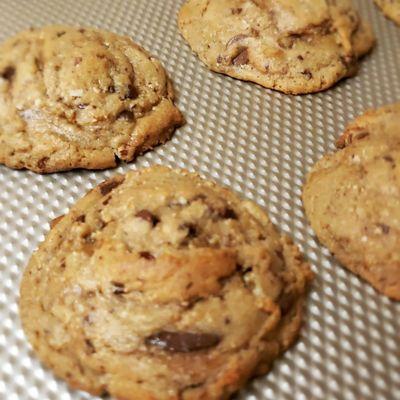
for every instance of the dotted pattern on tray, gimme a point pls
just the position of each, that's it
(260, 143)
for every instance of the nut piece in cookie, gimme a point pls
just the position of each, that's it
(80, 98)
(352, 199)
(294, 46)
(391, 8)
(161, 285)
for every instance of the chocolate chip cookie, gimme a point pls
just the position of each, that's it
(161, 285)
(295, 46)
(391, 8)
(80, 98)
(352, 199)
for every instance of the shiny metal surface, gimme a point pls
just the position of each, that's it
(260, 143)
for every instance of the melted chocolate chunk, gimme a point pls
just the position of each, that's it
(146, 255)
(107, 186)
(242, 58)
(8, 73)
(228, 213)
(183, 342)
(119, 288)
(148, 216)
(131, 93)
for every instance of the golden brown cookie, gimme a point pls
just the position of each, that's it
(80, 98)
(161, 285)
(391, 8)
(352, 199)
(295, 46)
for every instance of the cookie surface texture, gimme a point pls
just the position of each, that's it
(391, 8)
(294, 46)
(161, 285)
(352, 199)
(80, 98)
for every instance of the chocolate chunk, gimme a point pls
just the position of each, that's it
(59, 34)
(131, 93)
(111, 89)
(8, 73)
(148, 216)
(119, 288)
(242, 58)
(183, 342)
(107, 186)
(81, 218)
(146, 255)
(82, 106)
(228, 213)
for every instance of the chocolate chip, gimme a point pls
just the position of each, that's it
(146, 255)
(59, 34)
(111, 89)
(242, 58)
(81, 30)
(220, 59)
(300, 57)
(183, 342)
(8, 73)
(107, 186)
(82, 106)
(148, 216)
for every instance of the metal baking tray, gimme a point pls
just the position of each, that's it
(260, 143)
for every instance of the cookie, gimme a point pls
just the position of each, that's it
(161, 285)
(352, 199)
(391, 8)
(294, 46)
(80, 98)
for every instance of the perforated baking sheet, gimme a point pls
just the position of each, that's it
(258, 142)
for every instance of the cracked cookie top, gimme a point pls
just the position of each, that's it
(161, 285)
(295, 46)
(80, 98)
(352, 199)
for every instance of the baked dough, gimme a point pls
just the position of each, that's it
(160, 285)
(80, 98)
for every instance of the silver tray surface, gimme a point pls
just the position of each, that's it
(260, 143)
